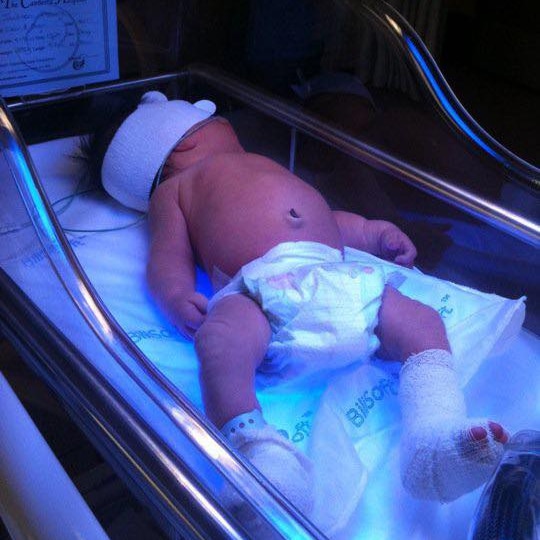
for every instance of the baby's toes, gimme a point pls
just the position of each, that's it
(478, 433)
(482, 442)
(498, 432)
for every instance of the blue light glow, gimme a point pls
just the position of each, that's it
(36, 198)
(446, 104)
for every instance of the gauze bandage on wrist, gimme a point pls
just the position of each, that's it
(439, 458)
(143, 143)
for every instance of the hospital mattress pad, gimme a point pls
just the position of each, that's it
(337, 417)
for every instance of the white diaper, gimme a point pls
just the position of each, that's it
(322, 310)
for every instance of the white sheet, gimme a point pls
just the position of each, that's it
(505, 387)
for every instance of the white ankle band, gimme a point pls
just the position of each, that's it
(250, 420)
(439, 357)
(429, 387)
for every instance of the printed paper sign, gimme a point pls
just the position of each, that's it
(48, 45)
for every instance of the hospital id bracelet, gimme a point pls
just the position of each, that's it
(250, 420)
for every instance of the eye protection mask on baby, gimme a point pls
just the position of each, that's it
(144, 141)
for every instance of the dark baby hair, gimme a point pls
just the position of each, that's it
(106, 119)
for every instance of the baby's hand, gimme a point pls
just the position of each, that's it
(395, 246)
(189, 312)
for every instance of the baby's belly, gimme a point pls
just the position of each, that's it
(243, 228)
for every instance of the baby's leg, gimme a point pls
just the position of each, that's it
(230, 345)
(444, 454)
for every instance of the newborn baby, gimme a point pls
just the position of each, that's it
(275, 253)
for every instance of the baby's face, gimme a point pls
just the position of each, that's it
(217, 134)
(215, 137)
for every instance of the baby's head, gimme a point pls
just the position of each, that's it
(145, 141)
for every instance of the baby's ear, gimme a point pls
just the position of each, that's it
(206, 105)
(185, 145)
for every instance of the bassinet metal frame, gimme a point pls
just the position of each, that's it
(177, 494)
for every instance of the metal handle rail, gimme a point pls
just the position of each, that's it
(274, 509)
(421, 62)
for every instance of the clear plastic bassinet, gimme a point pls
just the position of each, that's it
(68, 327)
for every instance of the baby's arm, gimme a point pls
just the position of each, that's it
(380, 238)
(171, 266)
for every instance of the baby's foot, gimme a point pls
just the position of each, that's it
(444, 454)
(449, 458)
(288, 469)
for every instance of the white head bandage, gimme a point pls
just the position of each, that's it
(143, 143)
